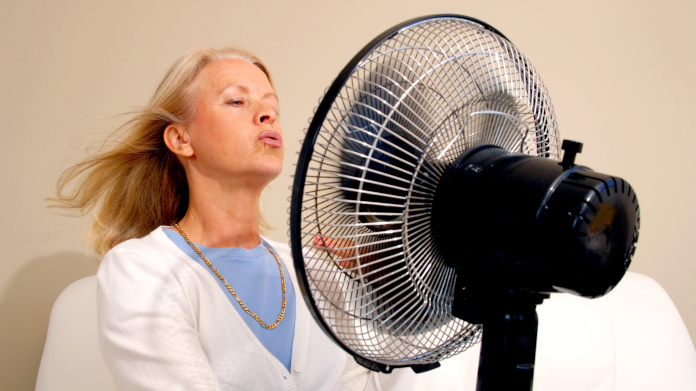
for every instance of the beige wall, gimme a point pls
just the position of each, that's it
(620, 75)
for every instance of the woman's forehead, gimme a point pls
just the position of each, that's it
(234, 73)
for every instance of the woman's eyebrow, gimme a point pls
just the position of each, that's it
(270, 95)
(238, 87)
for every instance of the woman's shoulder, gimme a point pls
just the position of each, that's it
(154, 248)
(278, 246)
(154, 240)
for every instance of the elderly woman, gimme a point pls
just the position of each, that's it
(191, 297)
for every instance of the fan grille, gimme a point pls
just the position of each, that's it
(413, 104)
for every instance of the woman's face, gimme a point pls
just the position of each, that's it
(234, 134)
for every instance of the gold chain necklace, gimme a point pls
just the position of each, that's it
(229, 288)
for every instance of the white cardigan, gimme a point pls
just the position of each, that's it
(165, 324)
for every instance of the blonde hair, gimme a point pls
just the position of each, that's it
(135, 183)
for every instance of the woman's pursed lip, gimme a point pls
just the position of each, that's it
(271, 138)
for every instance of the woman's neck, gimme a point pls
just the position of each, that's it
(217, 218)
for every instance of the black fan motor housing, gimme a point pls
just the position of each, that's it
(514, 223)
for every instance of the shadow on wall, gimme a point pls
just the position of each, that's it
(25, 308)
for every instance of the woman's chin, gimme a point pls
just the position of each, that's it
(270, 171)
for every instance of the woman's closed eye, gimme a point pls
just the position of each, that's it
(235, 102)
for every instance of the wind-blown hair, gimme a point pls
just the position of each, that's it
(135, 183)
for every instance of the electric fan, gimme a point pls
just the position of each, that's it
(429, 209)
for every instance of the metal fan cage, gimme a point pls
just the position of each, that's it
(380, 141)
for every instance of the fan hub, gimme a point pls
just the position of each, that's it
(512, 222)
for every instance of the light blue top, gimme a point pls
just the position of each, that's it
(255, 277)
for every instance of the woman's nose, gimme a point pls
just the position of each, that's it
(266, 115)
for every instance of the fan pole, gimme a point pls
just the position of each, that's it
(508, 349)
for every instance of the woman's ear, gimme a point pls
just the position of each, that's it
(177, 140)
